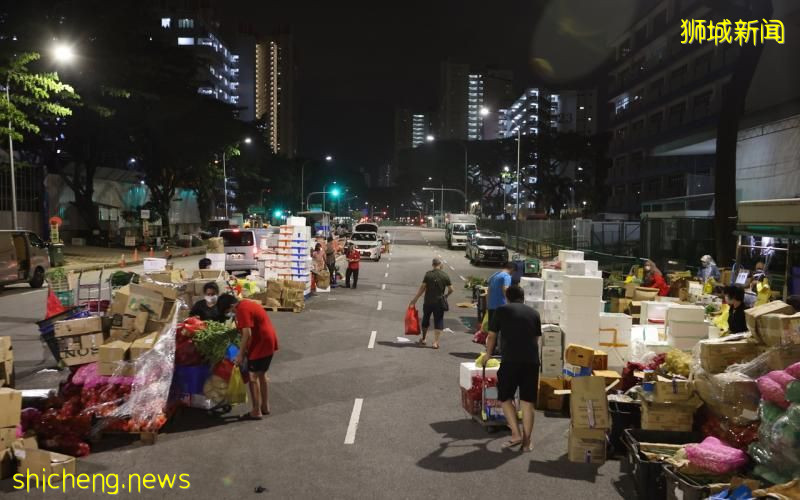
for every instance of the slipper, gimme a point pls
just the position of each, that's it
(264, 413)
(421, 342)
(435, 346)
(511, 444)
(247, 416)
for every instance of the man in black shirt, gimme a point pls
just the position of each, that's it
(436, 287)
(734, 295)
(520, 327)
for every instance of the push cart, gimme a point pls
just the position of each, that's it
(491, 419)
(90, 295)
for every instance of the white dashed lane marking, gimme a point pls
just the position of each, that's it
(463, 278)
(352, 427)
(383, 287)
(380, 305)
(372, 339)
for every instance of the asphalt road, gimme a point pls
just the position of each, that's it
(410, 439)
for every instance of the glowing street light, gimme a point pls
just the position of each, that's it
(329, 158)
(63, 53)
(247, 140)
(335, 192)
(430, 138)
(485, 111)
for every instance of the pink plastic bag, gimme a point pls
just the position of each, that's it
(794, 370)
(781, 377)
(715, 456)
(772, 391)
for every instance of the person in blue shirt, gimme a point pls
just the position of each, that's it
(498, 284)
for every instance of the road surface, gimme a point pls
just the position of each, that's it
(356, 414)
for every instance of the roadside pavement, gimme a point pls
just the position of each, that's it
(87, 258)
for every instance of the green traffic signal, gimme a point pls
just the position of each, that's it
(335, 192)
(278, 213)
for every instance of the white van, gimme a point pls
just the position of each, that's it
(23, 258)
(242, 247)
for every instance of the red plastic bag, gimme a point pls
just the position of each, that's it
(412, 321)
(54, 306)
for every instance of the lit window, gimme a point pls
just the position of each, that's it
(185, 40)
(165, 22)
(185, 23)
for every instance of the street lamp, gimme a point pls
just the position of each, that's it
(62, 54)
(328, 158)
(485, 111)
(247, 140)
(430, 138)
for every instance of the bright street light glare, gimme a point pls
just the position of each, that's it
(430, 138)
(247, 140)
(329, 158)
(278, 213)
(63, 53)
(485, 111)
(335, 192)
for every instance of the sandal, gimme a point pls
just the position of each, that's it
(248, 416)
(435, 345)
(421, 341)
(511, 444)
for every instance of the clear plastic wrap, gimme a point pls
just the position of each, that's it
(731, 395)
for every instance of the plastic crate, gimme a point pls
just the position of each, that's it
(681, 487)
(648, 475)
(66, 297)
(623, 416)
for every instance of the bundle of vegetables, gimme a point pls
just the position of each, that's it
(212, 341)
(122, 278)
(189, 327)
(473, 281)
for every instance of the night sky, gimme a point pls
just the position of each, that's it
(356, 64)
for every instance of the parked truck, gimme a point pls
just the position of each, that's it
(457, 227)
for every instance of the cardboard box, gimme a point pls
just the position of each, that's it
(546, 399)
(600, 360)
(6, 362)
(209, 275)
(116, 368)
(80, 349)
(630, 290)
(609, 376)
(587, 286)
(10, 406)
(587, 403)
(144, 299)
(172, 276)
(619, 305)
(166, 291)
(571, 370)
(38, 462)
(587, 445)
(136, 322)
(120, 300)
(778, 329)
(5, 348)
(579, 355)
(115, 350)
(717, 354)
(672, 391)
(143, 344)
(552, 368)
(551, 354)
(7, 436)
(80, 326)
(668, 416)
(775, 307)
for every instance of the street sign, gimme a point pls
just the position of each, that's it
(145, 214)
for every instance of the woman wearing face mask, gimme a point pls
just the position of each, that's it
(654, 279)
(709, 269)
(207, 309)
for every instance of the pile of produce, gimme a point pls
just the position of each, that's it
(212, 340)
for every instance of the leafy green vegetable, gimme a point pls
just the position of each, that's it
(212, 341)
(122, 278)
(56, 274)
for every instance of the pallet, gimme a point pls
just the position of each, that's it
(284, 309)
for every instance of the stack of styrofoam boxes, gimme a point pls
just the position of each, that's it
(551, 308)
(552, 349)
(283, 252)
(300, 262)
(686, 326)
(615, 338)
(534, 293)
(580, 309)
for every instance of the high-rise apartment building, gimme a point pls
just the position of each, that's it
(466, 95)
(274, 92)
(410, 129)
(196, 30)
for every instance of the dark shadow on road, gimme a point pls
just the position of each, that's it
(564, 469)
(404, 344)
(478, 458)
(624, 486)
(465, 355)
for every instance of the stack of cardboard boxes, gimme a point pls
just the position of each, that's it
(589, 420)
(10, 408)
(6, 363)
(774, 323)
(284, 294)
(199, 279)
(550, 378)
(579, 360)
(79, 340)
(670, 406)
(287, 258)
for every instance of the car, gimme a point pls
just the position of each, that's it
(487, 248)
(368, 244)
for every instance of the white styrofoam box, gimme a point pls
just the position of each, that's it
(596, 274)
(590, 266)
(533, 287)
(552, 369)
(552, 337)
(686, 312)
(583, 285)
(693, 329)
(553, 285)
(552, 311)
(551, 353)
(674, 300)
(653, 312)
(620, 322)
(579, 327)
(553, 295)
(565, 255)
(579, 304)
(295, 221)
(574, 268)
(552, 274)
(467, 370)
(615, 337)
(154, 264)
(649, 334)
(537, 305)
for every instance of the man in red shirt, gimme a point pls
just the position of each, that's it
(353, 259)
(258, 344)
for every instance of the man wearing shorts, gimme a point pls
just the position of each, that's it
(257, 346)
(519, 327)
(437, 287)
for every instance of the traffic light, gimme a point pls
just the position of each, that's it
(277, 212)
